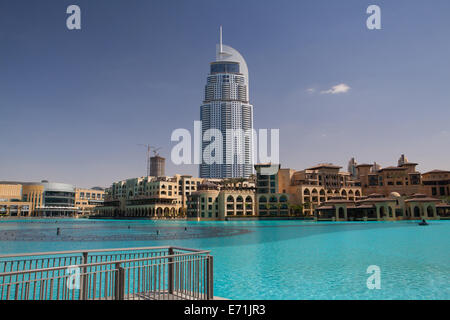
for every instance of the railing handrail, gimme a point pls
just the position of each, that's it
(50, 253)
(12, 273)
(143, 273)
(65, 276)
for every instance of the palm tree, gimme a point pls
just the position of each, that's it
(446, 199)
(297, 209)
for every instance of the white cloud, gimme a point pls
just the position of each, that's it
(310, 90)
(340, 88)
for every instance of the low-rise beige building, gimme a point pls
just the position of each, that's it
(404, 179)
(86, 200)
(172, 197)
(11, 201)
(436, 183)
(33, 193)
(155, 197)
(272, 200)
(221, 202)
(307, 189)
(379, 207)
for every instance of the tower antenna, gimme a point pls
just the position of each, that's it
(220, 43)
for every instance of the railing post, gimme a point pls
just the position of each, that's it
(84, 278)
(119, 282)
(170, 273)
(210, 279)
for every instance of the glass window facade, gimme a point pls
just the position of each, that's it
(222, 67)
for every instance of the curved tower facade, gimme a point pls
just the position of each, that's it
(226, 108)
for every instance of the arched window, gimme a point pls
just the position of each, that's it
(239, 199)
(248, 199)
(306, 192)
(283, 199)
(322, 192)
(230, 199)
(262, 199)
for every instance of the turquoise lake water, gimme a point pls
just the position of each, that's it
(272, 259)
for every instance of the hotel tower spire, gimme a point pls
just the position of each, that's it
(220, 41)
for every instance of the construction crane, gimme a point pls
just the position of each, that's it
(155, 151)
(148, 156)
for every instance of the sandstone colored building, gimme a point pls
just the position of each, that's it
(376, 207)
(177, 197)
(221, 202)
(151, 197)
(11, 201)
(436, 183)
(86, 200)
(404, 179)
(307, 189)
(45, 198)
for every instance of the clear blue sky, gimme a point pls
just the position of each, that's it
(75, 104)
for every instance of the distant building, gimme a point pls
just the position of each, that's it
(402, 160)
(180, 196)
(59, 200)
(377, 207)
(221, 202)
(88, 199)
(352, 168)
(42, 198)
(403, 179)
(47, 199)
(309, 188)
(152, 197)
(33, 193)
(436, 183)
(157, 166)
(271, 197)
(375, 167)
(11, 200)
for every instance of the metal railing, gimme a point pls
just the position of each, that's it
(150, 273)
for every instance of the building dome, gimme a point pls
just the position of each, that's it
(394, 195)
